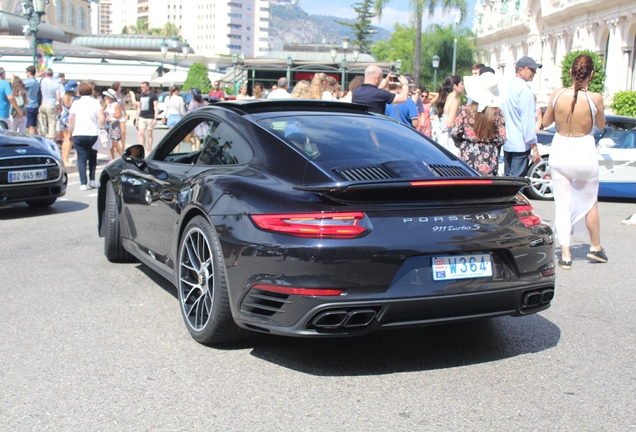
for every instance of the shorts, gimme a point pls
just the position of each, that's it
(173, 119)
(144, 123)
(32, 116)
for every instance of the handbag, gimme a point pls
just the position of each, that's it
(103, 141)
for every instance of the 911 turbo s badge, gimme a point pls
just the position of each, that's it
(20, 151)
(463, 218)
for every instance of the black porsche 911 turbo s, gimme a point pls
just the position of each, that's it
(312, 218)
(31, 170)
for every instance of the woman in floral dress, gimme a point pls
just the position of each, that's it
(480, 129)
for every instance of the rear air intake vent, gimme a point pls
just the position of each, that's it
(265, 303)
(448, 171)
(371, 172)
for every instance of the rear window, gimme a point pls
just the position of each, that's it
(340, 137)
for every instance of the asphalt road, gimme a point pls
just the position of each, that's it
(86, 345)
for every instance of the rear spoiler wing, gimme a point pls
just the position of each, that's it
(411, 191)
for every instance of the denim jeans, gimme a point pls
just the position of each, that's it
(516, 163)
(84, 148)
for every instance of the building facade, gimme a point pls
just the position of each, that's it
(547, 30)
(70, 16)
(211, 27)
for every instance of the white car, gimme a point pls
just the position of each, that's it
(616, 145)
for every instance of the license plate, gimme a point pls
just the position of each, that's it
(461, 267)
(23, 176)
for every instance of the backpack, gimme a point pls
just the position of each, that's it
(39, 97)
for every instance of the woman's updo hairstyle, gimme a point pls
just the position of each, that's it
(447, 88)
(582, 68)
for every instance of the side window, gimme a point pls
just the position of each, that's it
(224, 146)
(186, 145)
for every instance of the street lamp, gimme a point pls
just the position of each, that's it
(398, 66)
(435, 66)
(455, 43)
(234, 63)
(174, 44)
(290, 63)
(33, 11)
(356, 53)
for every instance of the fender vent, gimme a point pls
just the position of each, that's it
(449, 171)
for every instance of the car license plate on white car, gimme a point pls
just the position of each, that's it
(23, 176)
(461, 267)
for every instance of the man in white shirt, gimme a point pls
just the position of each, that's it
(281, 92)
(48, 110)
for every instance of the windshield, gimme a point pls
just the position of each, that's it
(343, 136)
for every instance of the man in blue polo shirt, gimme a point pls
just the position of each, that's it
(377, 98)
(32, 85)
(405, 113)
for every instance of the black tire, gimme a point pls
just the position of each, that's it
(541, 182)
(202, 286)
(113, 249)
(41, 203)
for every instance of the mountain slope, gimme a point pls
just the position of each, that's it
(290, 24)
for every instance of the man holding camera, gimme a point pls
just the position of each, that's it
(373, 93)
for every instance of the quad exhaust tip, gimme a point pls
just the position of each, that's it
(536, 298)
(337, 319)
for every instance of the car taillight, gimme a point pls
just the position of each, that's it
(313, 292)
(313, 225)
(451, 182)
(527, 216)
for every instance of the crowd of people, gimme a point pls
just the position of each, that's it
(496, 118)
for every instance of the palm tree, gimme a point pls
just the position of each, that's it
(417, 13)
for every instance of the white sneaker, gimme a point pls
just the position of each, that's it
(630, 220)
(84, 187)
(92, 184)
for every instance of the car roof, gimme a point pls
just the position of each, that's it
(287, 105)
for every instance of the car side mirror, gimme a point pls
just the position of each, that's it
(606, 142)
(135, 155)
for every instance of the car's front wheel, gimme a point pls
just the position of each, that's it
(540, 181)
(202, 286)
(113, 248)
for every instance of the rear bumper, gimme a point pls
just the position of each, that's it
(343, 318)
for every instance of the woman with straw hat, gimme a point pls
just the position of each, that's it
(480, 129)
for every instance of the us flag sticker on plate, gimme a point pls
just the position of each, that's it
(440, 269)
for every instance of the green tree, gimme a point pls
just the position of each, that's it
(198, 78)
(140, 27)
(598, 80)
(437, 40)
(362, 28)
(417, 13)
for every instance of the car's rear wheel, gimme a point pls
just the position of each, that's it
(113, 248)
(202, 286)
(540, 181)
(42, 202)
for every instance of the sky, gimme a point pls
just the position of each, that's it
(394, 11)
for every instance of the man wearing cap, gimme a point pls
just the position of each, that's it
(520, 113)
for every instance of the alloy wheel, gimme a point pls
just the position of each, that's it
(196, 279)
(540, 181)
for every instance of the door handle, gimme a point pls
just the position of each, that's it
(166, 195)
